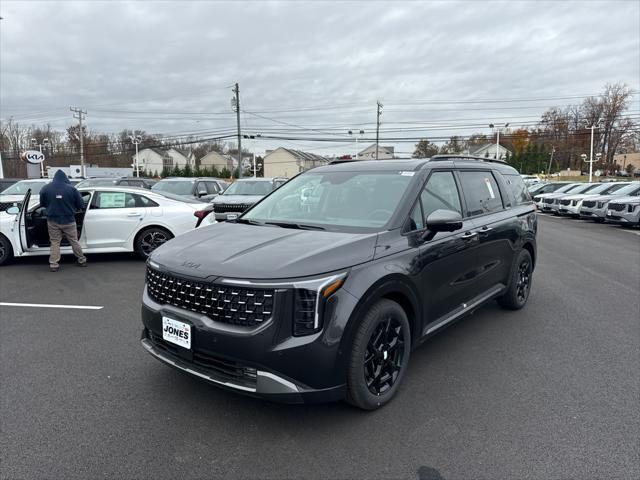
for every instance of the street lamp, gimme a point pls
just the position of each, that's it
(253, 154)
(136, 140)
(498, 128)
(34, 143)
(359, 134)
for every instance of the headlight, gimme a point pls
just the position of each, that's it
(601, 204)
(310, 300)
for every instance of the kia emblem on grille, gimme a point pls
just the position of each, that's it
(190, 264)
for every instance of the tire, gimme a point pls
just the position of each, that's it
(520, 283)
(381, 344)
(6, 250)
(149, 239)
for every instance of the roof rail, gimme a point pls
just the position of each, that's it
(343, 160)
(442, 157)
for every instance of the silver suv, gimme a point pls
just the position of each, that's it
(595, 208)
(241, 195)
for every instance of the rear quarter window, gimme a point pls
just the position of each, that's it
(517, 188)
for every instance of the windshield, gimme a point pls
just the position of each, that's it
(628, 189)
(584, 188)
(249, 187)
(341, 201)
(97, 182)
(21, 188)
(568, 188)
(177, 187)
(605, 187)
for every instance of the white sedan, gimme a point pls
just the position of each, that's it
(114, 219)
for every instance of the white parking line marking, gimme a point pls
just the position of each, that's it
(50, 305)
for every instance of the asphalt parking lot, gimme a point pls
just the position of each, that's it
(549, 392)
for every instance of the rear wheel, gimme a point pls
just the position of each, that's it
(6, 250)
(149, 239)
(520, 285)
(379, 356)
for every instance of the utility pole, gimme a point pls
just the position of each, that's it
(553, 150)
(378, 127)
(136, 141)
(236, 101)
(79, 114)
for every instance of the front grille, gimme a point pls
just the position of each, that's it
(230, 207)
(536, 199)
(616, 207)
(549, 201)
(229, 304)
(5, 205)
(219, 368)
(589, 203)
(565, 202)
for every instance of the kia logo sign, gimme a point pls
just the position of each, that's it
(32, 156)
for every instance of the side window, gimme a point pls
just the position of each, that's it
(201, 187)
(518, 188)
(440, 193)
(142, 201)
(212, 187)
(481, 192)
(103, 200)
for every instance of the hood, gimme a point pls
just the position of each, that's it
(626, 199)
(262, 252)
(552, 195)
(60, 177)
(237, 199)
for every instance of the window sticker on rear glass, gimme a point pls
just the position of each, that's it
(489, 187)
(407, 174)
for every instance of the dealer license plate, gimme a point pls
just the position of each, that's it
(232, 216)
(178, 333)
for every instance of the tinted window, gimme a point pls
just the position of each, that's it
(416, 221)
(518, 189)
(481, 193)
(212, 187)
(177, 187)
(440, 193)
(142, 201)
(114, 200)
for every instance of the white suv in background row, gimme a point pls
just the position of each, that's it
(595, 208)
(570, 204)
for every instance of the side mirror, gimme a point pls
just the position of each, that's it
(202, 193)
(444, 221)
(13, 210)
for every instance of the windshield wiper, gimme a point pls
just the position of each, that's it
(248, 221)
(298, 226)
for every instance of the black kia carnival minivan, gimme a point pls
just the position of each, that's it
(322, 289)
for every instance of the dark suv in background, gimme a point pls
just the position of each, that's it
(204, 189)
(322, 289)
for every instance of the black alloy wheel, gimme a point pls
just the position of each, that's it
(379, 356)
(524, 280)
(517, 294)
(383, 359)
(150, 239)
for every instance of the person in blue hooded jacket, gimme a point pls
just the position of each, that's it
(62, 200)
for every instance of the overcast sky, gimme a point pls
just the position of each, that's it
(310, 69)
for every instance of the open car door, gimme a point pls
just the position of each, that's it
(19, 226)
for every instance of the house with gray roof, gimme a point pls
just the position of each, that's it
(286, 162)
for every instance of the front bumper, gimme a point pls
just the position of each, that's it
(593, 213)
(573, 210)
(624, 217)
(261, 362)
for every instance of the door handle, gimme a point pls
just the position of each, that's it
(133, 214)
(485, 229)
(469, 235)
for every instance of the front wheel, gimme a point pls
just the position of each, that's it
(6, 250)
(520, 285)
(149, 239)
(379, 356)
